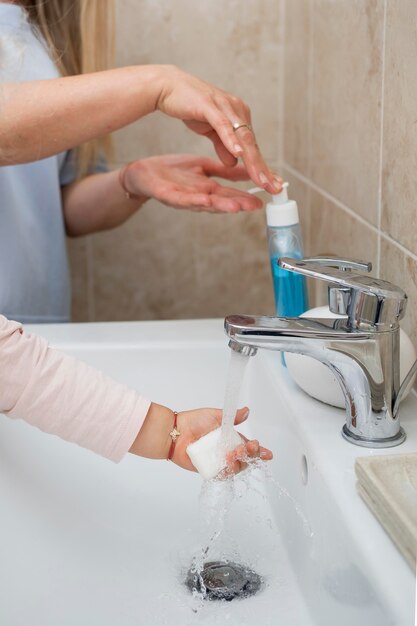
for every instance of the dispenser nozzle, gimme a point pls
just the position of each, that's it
(282, 196)
(278, 198)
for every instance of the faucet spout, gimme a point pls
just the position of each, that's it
(360, 359)
(265, 332)
(242, 348)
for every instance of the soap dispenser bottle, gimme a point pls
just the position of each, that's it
(284, 239)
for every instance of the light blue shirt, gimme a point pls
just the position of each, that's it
(34, 274)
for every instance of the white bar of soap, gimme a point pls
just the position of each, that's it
(205, 453)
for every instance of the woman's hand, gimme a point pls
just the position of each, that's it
(214, 113)
(153, 440)
(184, 182)
(45, 117)
(98, 202)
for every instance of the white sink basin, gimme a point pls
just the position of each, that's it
(86, 542)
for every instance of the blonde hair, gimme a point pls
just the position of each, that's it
(80, 36)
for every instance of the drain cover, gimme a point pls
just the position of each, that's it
(224, 580)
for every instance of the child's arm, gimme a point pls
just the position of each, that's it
(65, 397)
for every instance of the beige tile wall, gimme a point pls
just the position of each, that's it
(343, 82)
(350, 132)
(170, 264)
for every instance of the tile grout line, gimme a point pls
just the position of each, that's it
(381, 139)
(328, 196)
(399, 245)
(310, 84)
(310, 118)
(281, 81)
(347, 210)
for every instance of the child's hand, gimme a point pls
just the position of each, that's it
(153, 440)
(237, 459)
(198, 422)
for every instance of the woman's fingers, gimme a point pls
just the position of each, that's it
(223, 201)
(205, 129)
(256, 166)
(185, 181)
(214, 168)
(187, 200)
(246, 201)
(223, 126)
(222, 117)
(238, 115)
(202, 202)
(236, 173)
(221, 150)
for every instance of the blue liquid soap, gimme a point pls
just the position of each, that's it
(284, 240)
(290, 291)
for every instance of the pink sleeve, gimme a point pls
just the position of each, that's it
(66, 397)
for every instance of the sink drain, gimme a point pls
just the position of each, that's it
(224, 580)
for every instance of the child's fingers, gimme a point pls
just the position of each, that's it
(253, 449)
(242, 415)
(234, 466)
(249, 449)
(265, 454)
(236, 460)
(239, 453)
(256, 450)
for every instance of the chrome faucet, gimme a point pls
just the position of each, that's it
(362, 349)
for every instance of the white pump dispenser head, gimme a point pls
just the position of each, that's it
(281, 211)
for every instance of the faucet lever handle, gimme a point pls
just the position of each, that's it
(365, 299)
(339, 297)
(340, 263)
(345, 273)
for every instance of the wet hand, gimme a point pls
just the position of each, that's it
(184, 182)
(153, 440)
(196, 423)
(237, 460)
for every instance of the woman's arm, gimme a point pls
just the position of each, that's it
(46, 117)
(42, 118)
(95, 203)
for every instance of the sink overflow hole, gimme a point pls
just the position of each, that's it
(304, 470)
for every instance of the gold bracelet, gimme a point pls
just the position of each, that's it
(174, 434)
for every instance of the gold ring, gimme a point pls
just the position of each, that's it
(238, 125)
